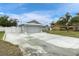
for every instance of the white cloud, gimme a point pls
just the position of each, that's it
(45, 19)
(1, 13)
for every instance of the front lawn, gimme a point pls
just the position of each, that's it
(1, 35)
(65, 33)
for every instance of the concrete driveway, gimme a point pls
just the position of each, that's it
(44, 44)
(58, 40)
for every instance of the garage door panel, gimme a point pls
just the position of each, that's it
(33, 29)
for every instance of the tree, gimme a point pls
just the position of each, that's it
(64, 21)
(77, 13)
(61, 21)
(6, 21)
(68, 16)
(13, 22)
(3, 20)
(75, 20)
(52, 24)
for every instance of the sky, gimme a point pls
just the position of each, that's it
(45, 13)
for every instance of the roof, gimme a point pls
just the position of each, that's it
(34, 21)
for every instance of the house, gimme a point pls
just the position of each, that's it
(46, 28)
(55, 27)
(31, 27)
(74, 27)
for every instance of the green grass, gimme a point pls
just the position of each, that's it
(1, 35)
(65, 33)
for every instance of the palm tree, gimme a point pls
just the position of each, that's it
(64, 21)
(68, 17)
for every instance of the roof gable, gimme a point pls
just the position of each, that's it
(34, 21)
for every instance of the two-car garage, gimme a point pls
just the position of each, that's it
(32, 27)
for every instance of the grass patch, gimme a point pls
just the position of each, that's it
(1, 35)
(65, 33)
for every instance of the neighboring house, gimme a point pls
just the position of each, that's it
(31, 27)
(55, 27)
(74, 27)
(46, 28)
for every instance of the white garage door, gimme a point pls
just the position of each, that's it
(33, 29)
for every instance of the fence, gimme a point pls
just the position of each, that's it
(10, 29)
